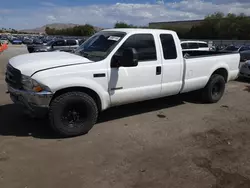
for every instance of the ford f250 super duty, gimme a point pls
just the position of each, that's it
(111, 68)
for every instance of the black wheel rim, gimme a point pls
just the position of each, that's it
(74, 115)
(216, 89)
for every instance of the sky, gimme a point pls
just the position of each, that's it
(26, 14)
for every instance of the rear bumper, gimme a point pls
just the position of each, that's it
(36, 104)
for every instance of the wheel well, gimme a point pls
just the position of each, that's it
(88, 91)
(223, 72)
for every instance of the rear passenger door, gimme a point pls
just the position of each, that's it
(143, 82)
(172, 65)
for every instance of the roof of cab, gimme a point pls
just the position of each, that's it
(134, 30)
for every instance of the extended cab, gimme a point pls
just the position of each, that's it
(111, 68)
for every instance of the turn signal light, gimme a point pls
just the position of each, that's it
(37, 88)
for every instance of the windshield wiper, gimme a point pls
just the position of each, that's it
(81, 53)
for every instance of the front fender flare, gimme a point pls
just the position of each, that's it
(85, 83)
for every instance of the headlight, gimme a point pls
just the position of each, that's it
(32, 85)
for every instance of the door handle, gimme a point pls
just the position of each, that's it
(158, 70)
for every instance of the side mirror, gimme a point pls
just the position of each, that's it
(129, 58)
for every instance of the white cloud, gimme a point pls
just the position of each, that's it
(106, 15)
(51, 18)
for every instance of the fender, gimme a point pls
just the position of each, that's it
(64, 83)
(220, 65)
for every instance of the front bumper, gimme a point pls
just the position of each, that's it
(36, 104)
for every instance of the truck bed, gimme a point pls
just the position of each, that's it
(200, 65)
(197, 54)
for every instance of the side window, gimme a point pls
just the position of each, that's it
(71, 42)
(59, 43)
(193, 45)
(144, 45)
(184, 46)
(168, 46)
(203, 45)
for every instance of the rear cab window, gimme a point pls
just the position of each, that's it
(168, 46)
(184, 45)
(203, 45)
(193, 45)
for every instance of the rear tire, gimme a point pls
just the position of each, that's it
(214, 89)
(73, 114)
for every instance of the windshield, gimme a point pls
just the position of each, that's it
(231, 48)
(98, 47)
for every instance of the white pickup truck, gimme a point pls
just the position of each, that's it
(111, 68)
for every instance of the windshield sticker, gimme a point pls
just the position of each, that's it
(114, 38)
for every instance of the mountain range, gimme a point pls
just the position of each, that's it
(55, 26)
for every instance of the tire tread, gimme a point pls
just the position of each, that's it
(207, 98)
(59, 100)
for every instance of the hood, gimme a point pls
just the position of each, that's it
(30, 63)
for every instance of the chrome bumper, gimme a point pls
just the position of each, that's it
(36, 103)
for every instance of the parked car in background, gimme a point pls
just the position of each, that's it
(245, 70)
(245, 55)
(81, 41)
(66, 45)
(27, 41)
(16, 41)
(37, 41)
(112, 68)
(194, 45)
(4, 39)
(233, 48)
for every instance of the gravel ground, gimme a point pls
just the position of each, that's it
(172, 142)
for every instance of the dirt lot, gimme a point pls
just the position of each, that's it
(174, 142)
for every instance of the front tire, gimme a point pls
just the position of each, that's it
(214, 89)
(73, 114)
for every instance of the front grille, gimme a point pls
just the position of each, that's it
(13, 77)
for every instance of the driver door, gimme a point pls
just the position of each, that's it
(143, 82)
